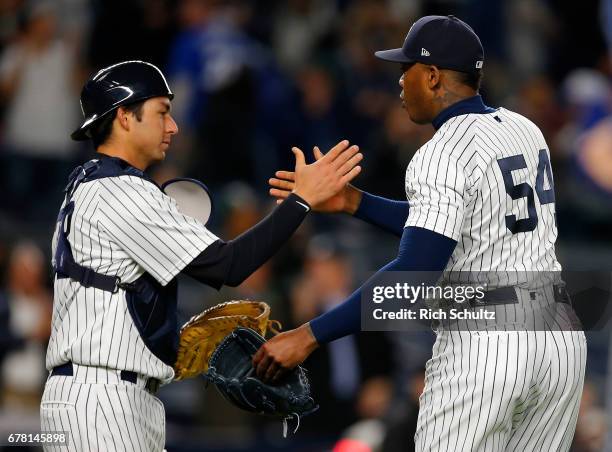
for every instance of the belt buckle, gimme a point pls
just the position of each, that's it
(477, 301)
(474, 302)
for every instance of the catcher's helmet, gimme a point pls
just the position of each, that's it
(120, 84)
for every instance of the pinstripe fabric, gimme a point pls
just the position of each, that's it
(489, 390)
(121, 226)
(455, 188)
(118, 416)
(502, 391)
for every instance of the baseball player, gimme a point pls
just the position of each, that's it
(119, 245)
(480, 198)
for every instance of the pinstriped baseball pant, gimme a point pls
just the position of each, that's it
(102, 413)
(502, 391)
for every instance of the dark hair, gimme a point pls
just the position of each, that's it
(102, 131)
(471, 79)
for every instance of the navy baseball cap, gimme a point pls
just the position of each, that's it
(444, 41)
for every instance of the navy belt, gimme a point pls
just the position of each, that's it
(152, 385)
(507, 295)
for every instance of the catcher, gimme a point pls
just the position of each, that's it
(120, 243)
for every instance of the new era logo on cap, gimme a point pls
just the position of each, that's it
(424, 52)
(479, 64)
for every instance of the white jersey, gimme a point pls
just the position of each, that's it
(485, 181)
(121, 226)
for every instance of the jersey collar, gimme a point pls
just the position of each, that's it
(463, 107)
(115, 166)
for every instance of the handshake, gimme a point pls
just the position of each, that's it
(324, 184)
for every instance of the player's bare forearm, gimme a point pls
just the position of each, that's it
(387, 214)
(352, 199)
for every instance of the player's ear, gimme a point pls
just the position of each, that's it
(433, 76)
(123, 118)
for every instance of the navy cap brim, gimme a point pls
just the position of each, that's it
(393, 55)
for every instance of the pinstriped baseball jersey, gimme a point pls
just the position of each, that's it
(484, 180)
(121, 226)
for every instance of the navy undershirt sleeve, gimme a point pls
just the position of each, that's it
(387, 214)
(230, 263)
(420, 250)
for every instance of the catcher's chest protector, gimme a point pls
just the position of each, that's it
(152, 306)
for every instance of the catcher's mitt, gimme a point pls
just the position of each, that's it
(201, 335)
(232, 371)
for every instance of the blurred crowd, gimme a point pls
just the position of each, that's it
(253, 78)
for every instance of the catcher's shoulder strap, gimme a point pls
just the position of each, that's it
(64, 264)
